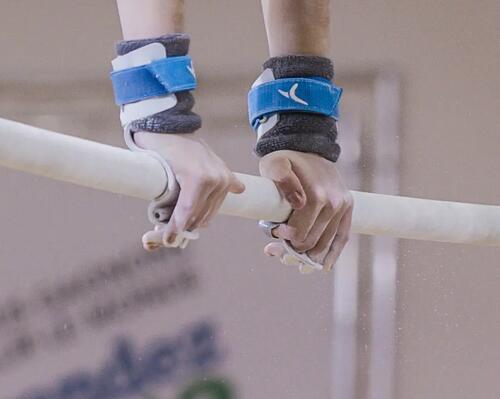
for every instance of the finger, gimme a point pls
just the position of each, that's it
(214, 201)
(310, 235)
(339, 242)
(235, 185)
(152, 240)
(323, 244)
(300, 223)
(284, 231)
(276, 249)
(279, 169)
(191, 203)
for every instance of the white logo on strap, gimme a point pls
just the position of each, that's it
(291, 94)
(190, 68)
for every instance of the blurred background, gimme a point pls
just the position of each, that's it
(85, 313)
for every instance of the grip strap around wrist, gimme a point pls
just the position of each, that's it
(310, 95)
(158, 78)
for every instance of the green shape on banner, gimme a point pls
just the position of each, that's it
(208, 389)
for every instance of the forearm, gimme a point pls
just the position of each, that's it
(298, 32)
(142, 19)
(297, 27)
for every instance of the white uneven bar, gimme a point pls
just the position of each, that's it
(83, 162)
(90, 164)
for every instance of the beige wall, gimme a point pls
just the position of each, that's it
(448, 54)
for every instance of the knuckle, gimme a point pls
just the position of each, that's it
(338, 206)
(320, 196)
(339, 203)
(272, 162)
(209, 180)
(299, 236)
(300, 247)
(305, 245)
(329, 207)
(300, 239)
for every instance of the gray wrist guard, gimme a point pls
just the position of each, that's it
(180, 118)
(298, 131)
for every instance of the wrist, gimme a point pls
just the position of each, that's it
(303, 116)
(153, 79)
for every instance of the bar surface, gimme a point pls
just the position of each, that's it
(103, 167)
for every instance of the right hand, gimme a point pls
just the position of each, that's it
(204, 181)
(320, 223)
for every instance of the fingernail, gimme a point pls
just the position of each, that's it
(290, 260)
(272, 252)
(328, 268)
(171, 238)
(151, 246)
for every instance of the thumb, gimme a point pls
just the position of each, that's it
(279, 169)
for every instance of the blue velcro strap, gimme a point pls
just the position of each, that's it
(159, 78)
(315, 95)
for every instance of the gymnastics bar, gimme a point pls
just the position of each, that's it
(103, 167)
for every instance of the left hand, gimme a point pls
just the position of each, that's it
(204, 181)
(322, 206)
